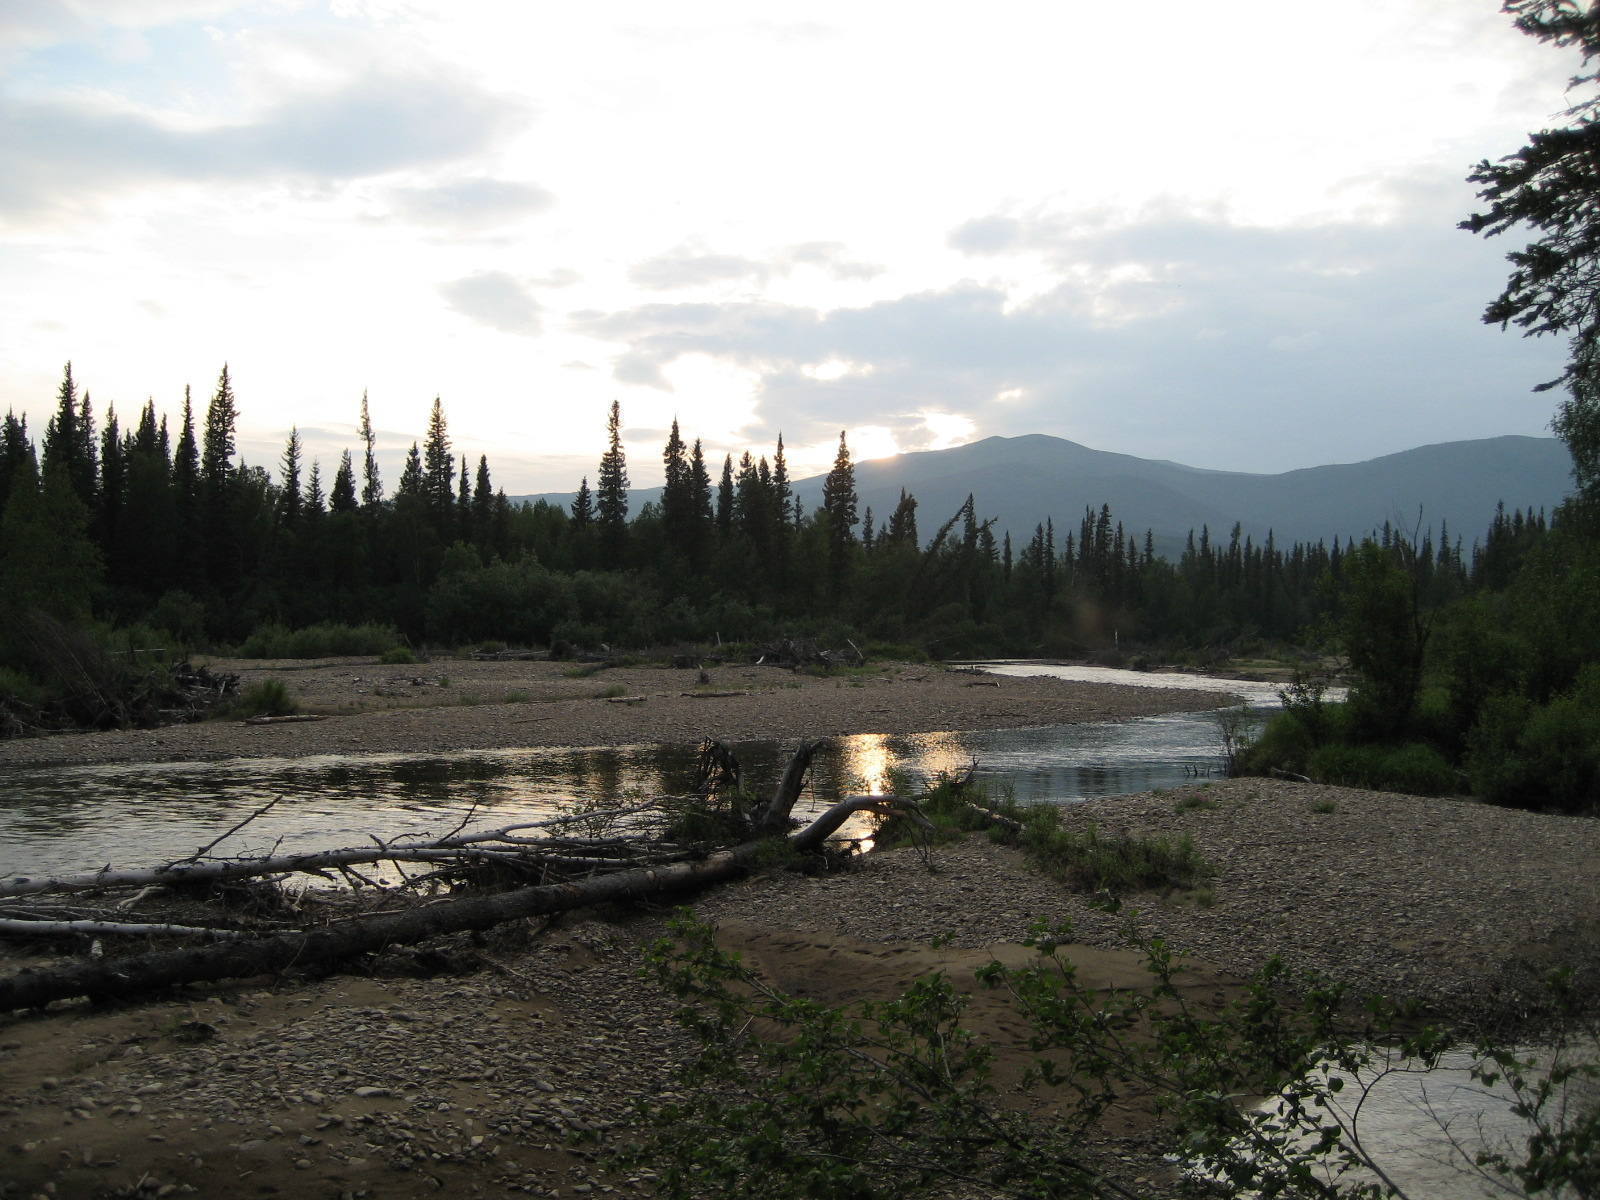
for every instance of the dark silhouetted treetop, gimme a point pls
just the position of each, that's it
(611, 492)
(342, 498)
(439, 469)
(222, 419)
(371, 480)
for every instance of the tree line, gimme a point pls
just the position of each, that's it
(170, 529)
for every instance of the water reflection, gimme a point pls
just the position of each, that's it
(138, 814)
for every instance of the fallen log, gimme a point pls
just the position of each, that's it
(327, 946)
(293, 719)
(194, 869)
(712, 695)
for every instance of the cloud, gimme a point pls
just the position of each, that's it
(690, 266)
(472, 203)
(60, 151)
(497, 300)
(1176, 336)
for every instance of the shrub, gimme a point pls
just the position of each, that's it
(327, 639)
(1090, 862)
(1414, 768)
(397, 656)
(1540, 756)
(264, 698)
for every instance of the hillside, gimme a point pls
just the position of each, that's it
(1020, 481)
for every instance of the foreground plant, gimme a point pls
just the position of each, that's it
(790, 1098)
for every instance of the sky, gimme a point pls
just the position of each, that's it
(1219, 234)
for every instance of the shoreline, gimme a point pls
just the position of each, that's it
(460, 704)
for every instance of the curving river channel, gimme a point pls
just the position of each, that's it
(55, 820)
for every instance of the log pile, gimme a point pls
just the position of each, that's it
(798, 653)
(465, 880)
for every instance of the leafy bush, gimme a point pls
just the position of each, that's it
(325, 640)
(1414, 768)
(1540, 756)
(520, 602)
(397, 656)
(264, 698)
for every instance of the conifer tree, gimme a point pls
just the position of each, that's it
(611, 494)
(700, 512)
(316, 502)
(289, 496)
(371, 482)
(439, 472)
(113, 484)
(217, 448)
(839, 507)
(725, 500)
(483, 507)
(69, 440)
(16, 454)
(342, 497)
(583, 507)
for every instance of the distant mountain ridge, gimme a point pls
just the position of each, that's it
(1019, 481)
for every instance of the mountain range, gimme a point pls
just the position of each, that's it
(1019, 481)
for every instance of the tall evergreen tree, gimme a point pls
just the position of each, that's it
(290, 497)
(725, 500)
(69, 440)
(483, 507)
(217, 448)
(583, 507)
(839, 507)
(611, 494)
(439, 472)
(371, 482)
(342, 498)
(316, 502)
(16, 454)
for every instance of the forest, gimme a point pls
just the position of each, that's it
(169, 531)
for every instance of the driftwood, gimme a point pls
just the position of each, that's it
(712, 695)
(294, 719)
(570, 861)
(119, 978)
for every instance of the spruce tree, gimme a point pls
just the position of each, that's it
(69, 440)
(725, 500)
(371, 482)
(217, 448)
(483, 507)
(16, 455)
(439, 472)
(289, 495)
(611, 495)
(839, 508)
(342, 498)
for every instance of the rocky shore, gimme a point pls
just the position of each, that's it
(465, 1068)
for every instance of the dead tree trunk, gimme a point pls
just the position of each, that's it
(124, 977)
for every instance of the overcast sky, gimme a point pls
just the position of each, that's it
(1217, 233)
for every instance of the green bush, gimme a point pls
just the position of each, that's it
(327, 639)
(1414, 768)
(397, 656)
(1540, 756)
(264, 698)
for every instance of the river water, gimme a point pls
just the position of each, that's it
(125, 815)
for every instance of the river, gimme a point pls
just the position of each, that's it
(139, 814)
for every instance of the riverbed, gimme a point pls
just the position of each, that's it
(57, 817)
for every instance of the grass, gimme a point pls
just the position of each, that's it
(1089, 861)
(610, 691)
(1324, 806)
(584, 670)
(517, 697)
(1193, 801)
(1084, 860)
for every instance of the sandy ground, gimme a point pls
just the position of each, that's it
(466, 1068)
